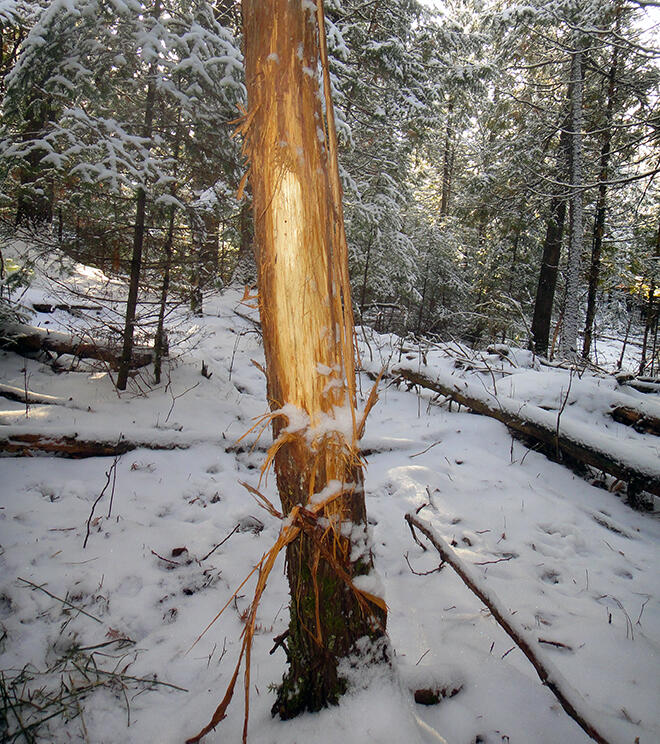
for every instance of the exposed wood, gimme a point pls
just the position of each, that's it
(26, 339)
(541, 430)
(307, 322)
(549, 676)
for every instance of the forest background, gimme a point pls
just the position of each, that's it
(498, 159)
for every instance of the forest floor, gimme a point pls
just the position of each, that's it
(96, 642)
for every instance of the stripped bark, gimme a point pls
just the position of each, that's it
(306, 316)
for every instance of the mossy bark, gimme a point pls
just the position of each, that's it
(307, 323)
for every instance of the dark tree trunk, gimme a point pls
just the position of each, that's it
(545, 291)
(447, 163)
(365, 276)
(138, 236)
(160, 340)
(35, 197)
(601, 207)
(651, 309)
(160, 345)
(245, 271)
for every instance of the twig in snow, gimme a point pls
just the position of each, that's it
(176, 397)
(422, 656)
(219, 544)
(167, 560)
(424, 573)
(59, 599)
(556, 644)
(644, 603)
(550, 678)
(433, 444)
(498, 560)
(561, 410)
(110, 474)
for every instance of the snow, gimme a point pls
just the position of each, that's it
(571, 562)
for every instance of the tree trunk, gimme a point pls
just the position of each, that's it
(447, 163)
(138, 234)
(307, 323)
(545, 292)
(35, 197)
(651, 308)
(244, 273)
(160, 341)
(568, 348)
(601, 207)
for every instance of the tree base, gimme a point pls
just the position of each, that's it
(316, 690)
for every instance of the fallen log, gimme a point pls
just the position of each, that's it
(71, 446)
(26, 339)
(569, 698)
(641, 384)
(641, 421)
(574, 440)
(20, 443)
(47, 307)
(20, 395)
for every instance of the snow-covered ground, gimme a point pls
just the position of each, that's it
(575, 566)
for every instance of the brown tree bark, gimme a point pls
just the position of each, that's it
(307, 322)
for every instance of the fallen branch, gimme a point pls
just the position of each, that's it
(20, 396)
(59, 599)
(26, 339)
(110, 475)
(29, 444)
(550, 677)
(574, 440)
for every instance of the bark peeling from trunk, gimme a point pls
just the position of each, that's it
(307, 322)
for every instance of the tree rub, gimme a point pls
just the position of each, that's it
(307, 325)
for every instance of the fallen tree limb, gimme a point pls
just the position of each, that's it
(71, 446)
(18, 442)
(20, 396)
(639, 420)
(576, 441)
(47, 307)
(26, 339)
(568, 698)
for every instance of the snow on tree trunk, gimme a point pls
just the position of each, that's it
(568, 347)
(307, 323)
